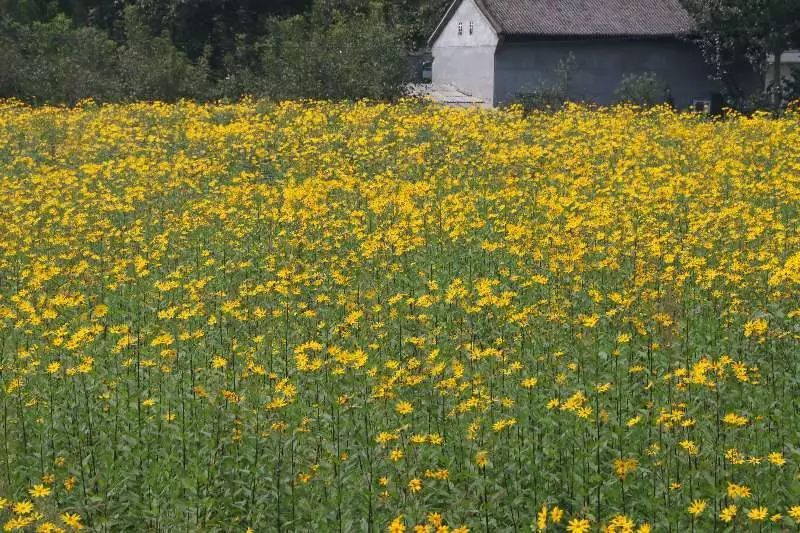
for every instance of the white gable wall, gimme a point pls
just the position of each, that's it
(466, 61)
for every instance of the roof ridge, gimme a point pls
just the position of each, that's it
(581, 18)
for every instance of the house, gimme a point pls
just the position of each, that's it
(497, 50)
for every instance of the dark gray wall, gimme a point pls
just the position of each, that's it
(522, 66)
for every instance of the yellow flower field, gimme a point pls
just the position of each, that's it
(373, 317)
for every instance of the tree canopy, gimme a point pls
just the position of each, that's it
(65, 50)
(734, 31)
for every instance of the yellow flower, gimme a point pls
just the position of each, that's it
(397, 525)
(697, 507)
(403, 408)
(418, 438)
(39, 491)
(738, 491)
(18, 522)
(600, 388)
(72, 520)
(755, 327)
(579, 525)
(757, 514)
(734, 420)
(435, 519)
(48, 527)
(623, 467)
(541, 518)
(482, 459)
(415, 485)
(690, 447)
(633, 421)
(776, 458)
(500, 425)
(620, 524)
(589, 321)
(728, 513)
(22, 508)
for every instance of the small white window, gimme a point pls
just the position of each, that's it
(460, 28)
(471, 27)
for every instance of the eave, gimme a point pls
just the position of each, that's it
(451, 11)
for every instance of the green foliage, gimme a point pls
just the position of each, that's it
(645, 89)
(357, 56)
(241, 73)
(792, 85)
(736, 32)
(27, 11)
(415, 20)
(339, 50)
(55, 62)
(151, 67)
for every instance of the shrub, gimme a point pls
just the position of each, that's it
(55, 62)
(553, 95)
(644, 89)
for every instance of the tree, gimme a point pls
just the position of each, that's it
(731, 30)
(54, 62)
(153, 68)
(416, 19)
(333, 55)
(64, 50)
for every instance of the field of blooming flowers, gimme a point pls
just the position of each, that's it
(368, 317)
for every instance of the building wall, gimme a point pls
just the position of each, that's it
(466, 61)
(523, 66)
(790, 63)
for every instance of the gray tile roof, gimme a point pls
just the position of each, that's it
(583, 18)
(591, 17)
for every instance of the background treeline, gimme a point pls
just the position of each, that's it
(63, 51)
(111, 50)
